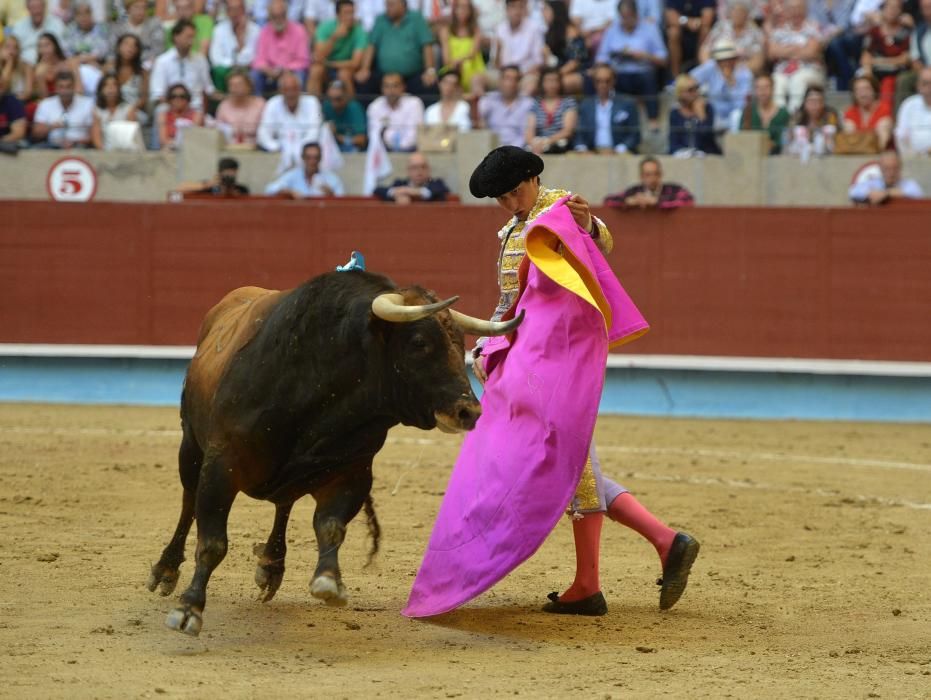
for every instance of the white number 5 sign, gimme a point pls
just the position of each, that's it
(71, 180)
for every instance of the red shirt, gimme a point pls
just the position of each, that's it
(854, 115)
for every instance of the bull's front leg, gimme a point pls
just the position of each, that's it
(270, 570)
(216, 492)
(337, 504)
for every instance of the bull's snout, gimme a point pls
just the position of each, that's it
(463, 415)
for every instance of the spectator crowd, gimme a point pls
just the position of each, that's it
(295, 77)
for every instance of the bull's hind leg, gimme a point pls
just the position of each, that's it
(270, 570)
(216, 492)
(337, 504)
(165, 572)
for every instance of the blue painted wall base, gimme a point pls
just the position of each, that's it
(707, 394)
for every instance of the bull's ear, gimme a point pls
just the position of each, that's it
(391, 307)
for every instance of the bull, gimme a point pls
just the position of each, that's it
(292, 393)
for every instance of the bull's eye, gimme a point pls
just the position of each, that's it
(420, 344)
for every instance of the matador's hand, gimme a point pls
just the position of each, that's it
(580, 211)
(478, 369)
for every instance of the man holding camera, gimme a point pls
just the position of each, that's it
(223, 184)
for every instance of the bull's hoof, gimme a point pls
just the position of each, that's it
(163, 576)
(187, 620)
(268, 578)
(331, 592)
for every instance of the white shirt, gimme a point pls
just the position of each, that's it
(490, 14)
(29, 36)
(296, 181)
(284, 131)
(259, 11)
(861, 8)
(399, 124)
(459, 118)
(522, 47)
(192, 72)
(367, 11)
(913, 126)
(860, 191)
(593, 14)
(77, 119)
(224, 46)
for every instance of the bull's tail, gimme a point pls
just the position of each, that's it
(374, 528)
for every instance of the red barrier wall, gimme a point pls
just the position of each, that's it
(827, 283)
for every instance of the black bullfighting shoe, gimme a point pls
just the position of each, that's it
(676, 571)
(593, 606)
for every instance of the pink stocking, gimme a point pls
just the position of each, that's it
(587, 534)
(628, 511)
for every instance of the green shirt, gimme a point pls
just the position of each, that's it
(349, 123)
(399, 47)
(356, 40)
(778, 124)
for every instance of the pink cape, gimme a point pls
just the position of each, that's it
(518, 470)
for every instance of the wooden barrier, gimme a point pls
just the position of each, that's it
(823, 283)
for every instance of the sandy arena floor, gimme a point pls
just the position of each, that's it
(814, 579)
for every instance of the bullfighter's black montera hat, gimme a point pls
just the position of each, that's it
(502, 170)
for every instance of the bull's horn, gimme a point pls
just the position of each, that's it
(391, 307)
(477, 326)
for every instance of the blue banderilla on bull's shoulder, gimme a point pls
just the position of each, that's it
(356, 262)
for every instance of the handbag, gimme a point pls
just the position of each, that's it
(856, 143)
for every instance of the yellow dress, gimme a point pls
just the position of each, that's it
(459, 48)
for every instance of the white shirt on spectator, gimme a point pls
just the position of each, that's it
(284, 131)
(398, 126)
(522, 47)
(28, 35)
(224, 46)
(913, 126)
(320, 10)
(860, 191)
(296, 181)
(459, 118)
(77, 119)
(490, 14)
(192, 72)
(593, 14)
(259, 11)
(367, 11)
(861, 8)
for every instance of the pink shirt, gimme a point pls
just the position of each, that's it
(289, 50)
(240, 124)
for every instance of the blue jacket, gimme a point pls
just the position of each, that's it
(625, 123)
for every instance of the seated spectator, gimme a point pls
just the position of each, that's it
(418, 186)
(564, 46)
(289, 120)
(12, 118)
(131, 76)
(282, 46)
(30, 28)
(173, 11)
(338, 49)
(887, 186)
(519, 42)
(885, 49)
(400, 43)
(688, 23)
(919, 47)
(86, 42)
(239, 115)
(691, 121)
(65, 119)
(182, 65)
(814, 126)
(763, 114)
(551, 125)
(147, 29)
(635, 51)
(913, 123)
(110, 107)
(51, 62)
(652, 192)
(726, 83)
(233, 43)
(592, 17)
(15, 73)
(795, 47)
(608, 123)
(742, 32)
(223, 184)
(841, 41)
(505, 111)
(395, 115)
(346, 117)
(180, 114)
(451, 110)
(316, 12)
(461, 47)
(307, 180)
(867, 114)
